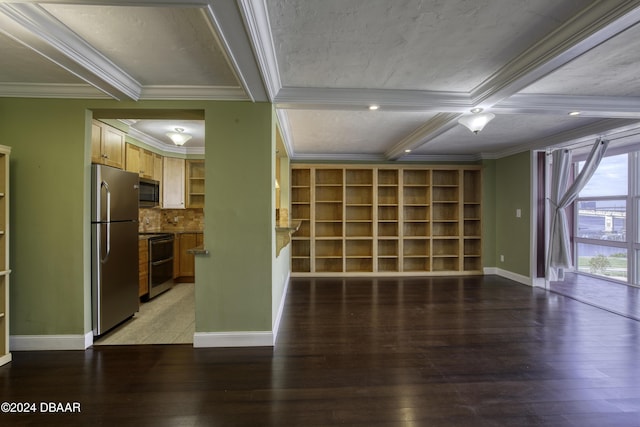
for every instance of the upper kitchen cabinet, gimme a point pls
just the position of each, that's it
(157, 167)
(195, 183)
(173, 188)
(107, 145)
(144, 162)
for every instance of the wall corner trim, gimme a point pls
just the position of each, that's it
(50, 342)
(509, 275)
(278, 319)
(233, 339)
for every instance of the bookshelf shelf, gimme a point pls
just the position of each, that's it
(369, 219)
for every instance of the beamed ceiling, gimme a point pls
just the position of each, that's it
(322, 63)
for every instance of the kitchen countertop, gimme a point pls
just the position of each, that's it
(198, 250)
(173, 231)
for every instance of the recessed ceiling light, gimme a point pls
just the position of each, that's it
(374, 107)
(407, 150)
(476, 110)
(574, 113)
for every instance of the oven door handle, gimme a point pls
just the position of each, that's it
(162, 261)
(160, 241)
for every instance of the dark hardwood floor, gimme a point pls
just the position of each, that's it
(480, 351)
(606, 294)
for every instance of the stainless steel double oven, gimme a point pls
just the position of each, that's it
(160, 263)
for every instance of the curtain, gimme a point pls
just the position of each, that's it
(559, 255)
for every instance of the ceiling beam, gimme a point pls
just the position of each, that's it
(597, 23)
(256, 19)
(227, 19)
(435, 126)
(627, 107)
(35, 28)
(354, 99)
(600, 128)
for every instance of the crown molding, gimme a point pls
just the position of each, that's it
(45, 35)
(601, 128)
(437, 125)
(226, 19)
(361, 99)
(217, 93)
(285, 132)
(435, 158)
(589, 106)
(308, 157)
(50, 90)
(256, 19)
(595, 24)
(159, 145)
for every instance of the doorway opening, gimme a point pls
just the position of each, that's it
(179, 171)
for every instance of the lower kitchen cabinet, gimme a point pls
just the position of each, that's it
(143, 269)
(185, 261)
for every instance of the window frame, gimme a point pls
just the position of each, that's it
(632, 244)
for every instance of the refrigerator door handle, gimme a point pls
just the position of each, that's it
(108, 219)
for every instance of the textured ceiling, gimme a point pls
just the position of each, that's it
(323, 62)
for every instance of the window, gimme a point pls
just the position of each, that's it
(606, 233)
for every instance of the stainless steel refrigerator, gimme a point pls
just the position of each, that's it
(114, 246)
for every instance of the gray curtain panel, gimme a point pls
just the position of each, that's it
(559, 253)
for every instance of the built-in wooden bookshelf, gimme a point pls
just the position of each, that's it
(195, 183)
(5, 355)
(386, 219)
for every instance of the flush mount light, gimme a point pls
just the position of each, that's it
(407, 150)
(374, 107)
(179, 137)
(574, 113)
(476, 121)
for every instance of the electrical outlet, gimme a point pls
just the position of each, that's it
(501, 258)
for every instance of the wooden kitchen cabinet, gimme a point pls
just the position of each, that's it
(173, 188)
(143, 269)
(186, 261)
(107, 145)
(5, 355)
(195, 183)
(157, 167)
(142, 162)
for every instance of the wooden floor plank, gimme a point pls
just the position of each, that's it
(470, 351)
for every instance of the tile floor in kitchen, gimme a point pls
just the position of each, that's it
(169, 318)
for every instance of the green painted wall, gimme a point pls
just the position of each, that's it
(49, 211)
(50, 233)
(513, 191)
(233, 284)
(489, 213)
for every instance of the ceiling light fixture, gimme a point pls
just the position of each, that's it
(407, 150)
(179, 137)
(374, 107)
(477, 121)
(574, 113)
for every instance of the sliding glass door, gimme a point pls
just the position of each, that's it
(606, 231)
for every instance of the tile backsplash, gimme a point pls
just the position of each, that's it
(153, 219)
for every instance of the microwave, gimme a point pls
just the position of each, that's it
(149, 193)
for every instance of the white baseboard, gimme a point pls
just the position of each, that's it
(50, 342)
(509, 275)
(233, 339)
(276, 323)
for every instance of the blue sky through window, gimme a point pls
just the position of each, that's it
(611, 178)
